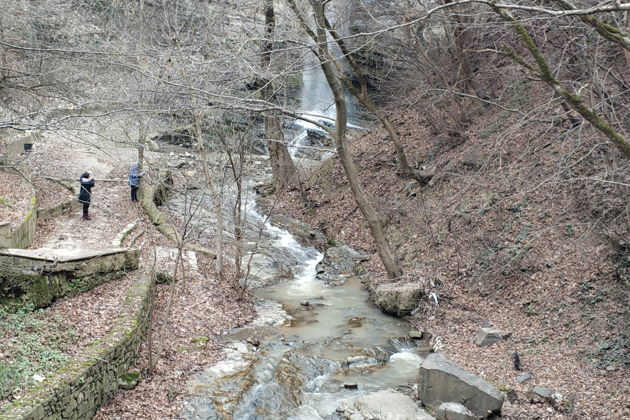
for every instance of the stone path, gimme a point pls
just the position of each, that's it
(109, 216)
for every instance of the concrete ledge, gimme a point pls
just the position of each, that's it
(89, 380)
(36, 277)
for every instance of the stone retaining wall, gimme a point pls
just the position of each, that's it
(16, 147)
(23, 235)
(37, 277)
(89, 380)
(61, 208)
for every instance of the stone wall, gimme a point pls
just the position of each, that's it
(37, 277)
(59, 209)
(89, 380)
(23, 235)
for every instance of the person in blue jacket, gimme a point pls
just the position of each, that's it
(85, 193)
(134, 180)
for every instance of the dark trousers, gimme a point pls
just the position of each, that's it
(86, 206)
(134, 193)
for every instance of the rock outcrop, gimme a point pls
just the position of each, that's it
(398, 299)
(338, 264)
(444, 381)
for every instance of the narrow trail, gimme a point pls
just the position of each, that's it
(110, 211)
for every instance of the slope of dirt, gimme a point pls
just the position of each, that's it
(525, 224)
(15, 197)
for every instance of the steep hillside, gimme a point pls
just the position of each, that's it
(524, 223)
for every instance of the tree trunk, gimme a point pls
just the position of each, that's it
(283, 170)
(545, 74)
(217, 198)
(391, 263)
(364, 98)
(142, 142)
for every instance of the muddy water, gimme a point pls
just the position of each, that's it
(312, 346)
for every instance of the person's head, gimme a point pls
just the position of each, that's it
(85, 175)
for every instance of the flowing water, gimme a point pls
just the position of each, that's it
(313, 345)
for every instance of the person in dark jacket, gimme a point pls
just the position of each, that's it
(134, 180)
(85, 193)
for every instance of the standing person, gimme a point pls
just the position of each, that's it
(85, 193)
(134, 180)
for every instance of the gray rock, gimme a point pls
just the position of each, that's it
(490, 335)
(382, 405)
(486, 324)
(129, 380)
(524, 377)
(444, 381)
(415, 334)
(540, 394)
(398, 299)
(338, 264)
(453, 411)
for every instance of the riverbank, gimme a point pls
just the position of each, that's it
(502, 240)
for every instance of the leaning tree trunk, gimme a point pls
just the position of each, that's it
(283, 170)
(361, 93)
(391, 263)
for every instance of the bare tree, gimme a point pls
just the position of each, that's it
(321, 50)
(283, 170)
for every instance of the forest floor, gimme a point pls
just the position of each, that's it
(189, 335)
(518, 228)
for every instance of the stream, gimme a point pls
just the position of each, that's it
(315, 345)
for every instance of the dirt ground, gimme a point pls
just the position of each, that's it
(516, 228)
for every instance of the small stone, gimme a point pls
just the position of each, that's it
(38, 378)
(351, 386)
(415, 334)
(524, 377)
(540, 394)
(253, 341)
(490, 335)
(305, 303)
(453, 411)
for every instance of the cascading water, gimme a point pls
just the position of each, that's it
(322, 345)
(317, 104)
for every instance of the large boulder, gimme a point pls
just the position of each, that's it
(382, 405)
(444, 381)
(398, 299)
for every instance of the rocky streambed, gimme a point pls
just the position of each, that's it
(318, 349)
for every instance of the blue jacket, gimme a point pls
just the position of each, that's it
(134, 175)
